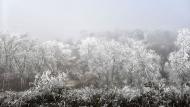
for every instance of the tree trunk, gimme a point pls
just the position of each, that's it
(3, 82)
(182, 88)
(21, 83)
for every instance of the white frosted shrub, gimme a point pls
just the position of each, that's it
(49, 81)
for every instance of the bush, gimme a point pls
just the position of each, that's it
(126, 96)
(48, 80)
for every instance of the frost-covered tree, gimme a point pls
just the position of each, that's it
(54, 55)
(162, 42)
(15, 56)
(180, 59)
(119, 64)
(145, 64)
(103, 57)
(23, 60)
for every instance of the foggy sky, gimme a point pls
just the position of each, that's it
(58, 19)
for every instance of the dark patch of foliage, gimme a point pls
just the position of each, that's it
(110, 98)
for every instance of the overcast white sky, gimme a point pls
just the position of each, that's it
(57, 19)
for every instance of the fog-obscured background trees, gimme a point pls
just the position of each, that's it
(101, 60)
(179, 60)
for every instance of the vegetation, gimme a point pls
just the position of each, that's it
(130, 69)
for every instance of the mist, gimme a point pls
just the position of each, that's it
(63, 19)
